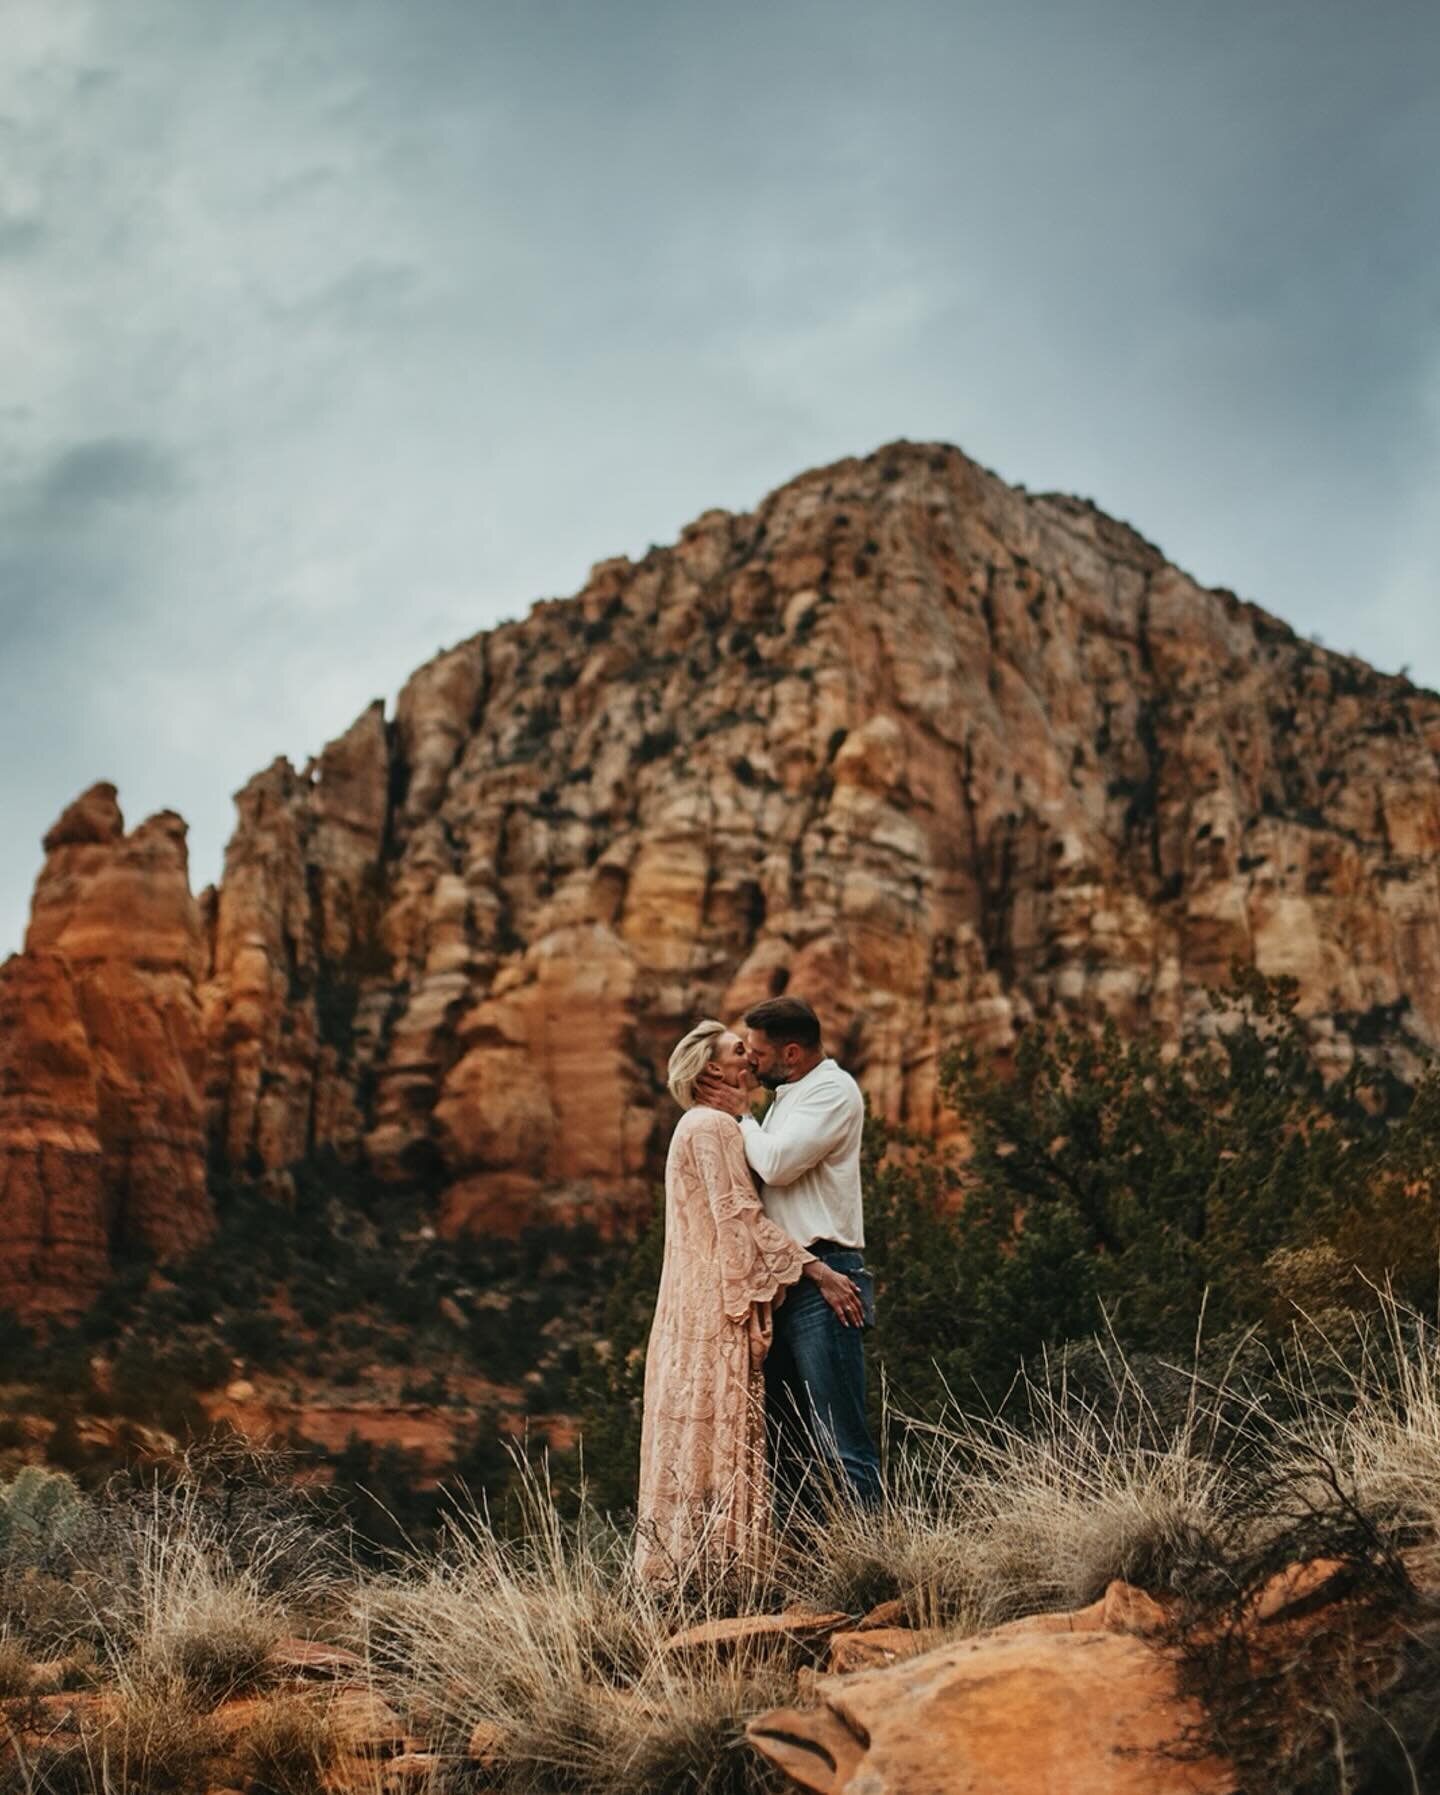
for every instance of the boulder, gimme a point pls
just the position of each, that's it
(884, 1614)
(486, 1744)
(409, 1771)
(1070, 1713)
(365, 1724)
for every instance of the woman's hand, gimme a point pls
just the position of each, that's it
(842, 1293)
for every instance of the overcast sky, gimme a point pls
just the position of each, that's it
(334, 330)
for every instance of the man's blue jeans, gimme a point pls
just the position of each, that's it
(815, 1396)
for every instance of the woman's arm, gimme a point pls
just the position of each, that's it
(756, 1259)
(840, 1293)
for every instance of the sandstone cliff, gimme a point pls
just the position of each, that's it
(939, 754)
(102, 1060)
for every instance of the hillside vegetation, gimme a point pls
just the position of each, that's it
(1168, 1323)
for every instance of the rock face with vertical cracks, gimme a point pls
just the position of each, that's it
(102, 1060)
(941, 755)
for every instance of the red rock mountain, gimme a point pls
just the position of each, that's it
(102, 1059)
(941, 755)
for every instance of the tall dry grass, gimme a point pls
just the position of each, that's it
(546, 1643)
(553, 1647)
(178, 1593)
(990, 1516)
(289, 1748)
(1345, 1434)
(1365, 1391)
(198, 1596)
(150, 1738)
(556, 1650)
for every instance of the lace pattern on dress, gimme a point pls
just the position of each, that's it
(704, 1491)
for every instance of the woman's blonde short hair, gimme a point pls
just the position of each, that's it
(690, 1058)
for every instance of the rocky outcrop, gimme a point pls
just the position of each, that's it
(1072, 1702)
(1155, 1695)
(942, 755)
(54, 1243)
(102, 1060)
(293, 934)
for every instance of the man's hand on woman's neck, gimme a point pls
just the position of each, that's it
(713, 1092)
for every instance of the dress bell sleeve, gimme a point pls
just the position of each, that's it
(757, 1260)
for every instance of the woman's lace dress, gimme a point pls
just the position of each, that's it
(704, 1493)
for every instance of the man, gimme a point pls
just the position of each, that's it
(807, 1152)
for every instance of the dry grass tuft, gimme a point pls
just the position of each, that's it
(16, 1670)
(156, 1742)
(149, 1740)
(192, 1603)
(990, 1517)
(690, 1730)
(555, 1644)
(1366, 1394)
(288, 1748)
(52, 1615)
(216, 1647)
(1348, 1473)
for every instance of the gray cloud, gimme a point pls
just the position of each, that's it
(371, 298)
(349, 328)
(113, 470)
(18, 236)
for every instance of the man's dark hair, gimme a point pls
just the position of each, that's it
(787, 1021)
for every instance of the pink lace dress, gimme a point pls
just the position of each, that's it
(704, 1491)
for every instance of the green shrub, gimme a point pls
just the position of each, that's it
(156, 1386)
(257, 1336)
(1112, 1185)
(40, 1510)
(18, 1346)
(608, 1386)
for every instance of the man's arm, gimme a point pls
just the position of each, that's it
(800, 1136)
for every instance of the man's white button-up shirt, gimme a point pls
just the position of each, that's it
(807, 1150)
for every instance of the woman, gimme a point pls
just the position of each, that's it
(704, 1492)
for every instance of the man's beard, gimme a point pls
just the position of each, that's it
(772, 1081)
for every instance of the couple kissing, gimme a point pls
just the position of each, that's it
(755, 1370)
